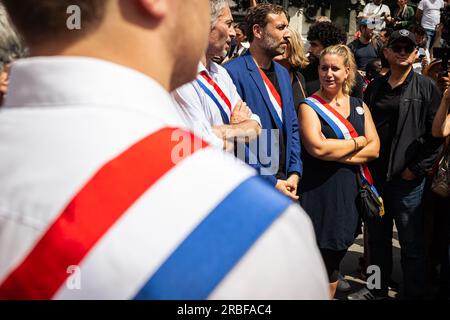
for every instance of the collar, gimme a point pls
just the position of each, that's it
(213, 68)
(407, 80)
(82, 81)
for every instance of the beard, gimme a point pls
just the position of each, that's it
(272, 46)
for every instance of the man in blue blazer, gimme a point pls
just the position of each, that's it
(266, 87)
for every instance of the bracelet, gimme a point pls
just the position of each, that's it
(356, 144)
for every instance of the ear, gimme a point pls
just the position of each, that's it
(257, 31)
(157, 8)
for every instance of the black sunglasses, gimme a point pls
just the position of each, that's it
(399, 48)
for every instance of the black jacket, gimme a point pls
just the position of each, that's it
(413, 146)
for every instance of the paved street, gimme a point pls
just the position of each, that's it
(349, 267)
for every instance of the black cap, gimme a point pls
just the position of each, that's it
(402, 34)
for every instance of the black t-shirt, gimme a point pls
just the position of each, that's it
(363, 53)
(385, 113)
(298, 83)
(312, 82)
(271, 74)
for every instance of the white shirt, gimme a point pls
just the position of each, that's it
(417, 66)
(374, 11)
(199, 110)
(63, 119)
(431, 12)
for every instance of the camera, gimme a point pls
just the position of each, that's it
(444, 55)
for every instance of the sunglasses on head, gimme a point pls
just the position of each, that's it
(398, 48)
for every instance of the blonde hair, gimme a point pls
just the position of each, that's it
(297, 57)
(349, 62)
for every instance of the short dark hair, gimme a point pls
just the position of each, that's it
(388, 31)
(258, 16)
(242, 26)
(327, 33)
(42, 20)
(418, 30)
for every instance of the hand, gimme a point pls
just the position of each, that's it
(361, 142)
(221, 132)
(424, 62)
(286, 187)
(294, 179)
(408, 175)
(443, 82)
(241, 112)
(447, 95)
(438, 29)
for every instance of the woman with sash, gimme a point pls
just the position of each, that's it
(339, 138)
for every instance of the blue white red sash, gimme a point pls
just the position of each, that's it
(216, 94)
(274, 97)
(195, 267)
(342, 128)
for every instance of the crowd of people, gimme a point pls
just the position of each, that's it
(274, 146)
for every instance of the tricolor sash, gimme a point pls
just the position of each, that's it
(216, 94)
(194, 268)
(343, 130)
(274, 97)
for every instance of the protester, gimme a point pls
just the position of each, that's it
(366, 48)
(404, 16)
(428, 15)
(403, 105)
(320, 36)
(376, 12)
(294, 60)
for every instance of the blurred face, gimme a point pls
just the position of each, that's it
(367, 32)
(377, 2)
(275, 36)
(421, 40)
(221, 34)
(187, 49)
(401, 3)
(240, 37)
(401, 53)
(332, 72)
(383, 37)
(315, 48)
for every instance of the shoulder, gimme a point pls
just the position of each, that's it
(223, 73)
(280, 70)
(186, 94)
(353, 45)
(235, 64)
(286, 272)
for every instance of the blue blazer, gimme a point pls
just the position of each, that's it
(250, 85)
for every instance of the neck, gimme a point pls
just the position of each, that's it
(364, 40)
(285, 63)
(205, 61)
(399, 74)
(332, 95)
(259, 55)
